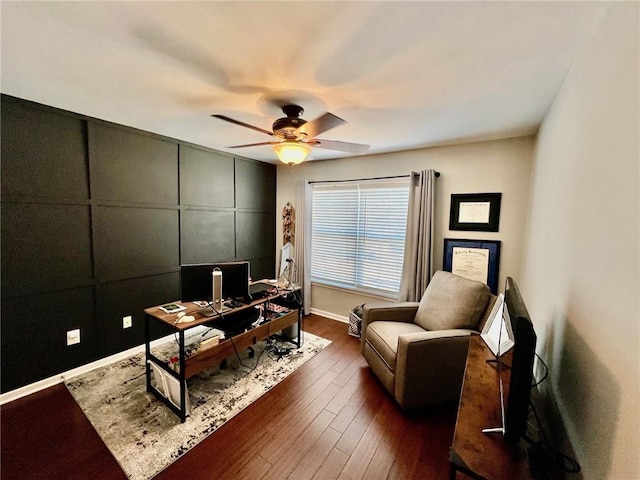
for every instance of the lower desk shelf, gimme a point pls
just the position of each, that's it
(200, 361)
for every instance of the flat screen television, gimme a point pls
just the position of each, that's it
(196, 280)
(521, 377)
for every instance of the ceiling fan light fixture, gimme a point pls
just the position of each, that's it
(292, 153)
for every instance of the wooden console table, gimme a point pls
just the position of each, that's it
(480, 455)
(194, 364)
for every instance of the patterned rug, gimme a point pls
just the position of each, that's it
(144, 435)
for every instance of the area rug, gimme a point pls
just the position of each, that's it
(144, 435)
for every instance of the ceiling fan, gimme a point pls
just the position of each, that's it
(294, 136)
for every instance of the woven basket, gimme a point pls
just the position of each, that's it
(355, 321)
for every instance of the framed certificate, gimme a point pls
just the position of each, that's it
(473, 259)
(479, 212)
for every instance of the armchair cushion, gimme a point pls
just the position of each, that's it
(383, 338)
(451, 302)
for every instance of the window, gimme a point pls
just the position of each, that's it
(357, 234)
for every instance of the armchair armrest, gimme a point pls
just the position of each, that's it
(400, 312)
(430, 365)
(391, 312)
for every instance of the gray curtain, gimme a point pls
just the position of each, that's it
(302, 248)
(418, 250)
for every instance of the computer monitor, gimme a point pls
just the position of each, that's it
(196, 280)
(285, 258)
(235, 279)
(524, 351)
(515, 404)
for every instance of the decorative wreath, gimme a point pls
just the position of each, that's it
(288, 224)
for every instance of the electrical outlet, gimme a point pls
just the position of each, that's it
(127, 321)
(73, 337)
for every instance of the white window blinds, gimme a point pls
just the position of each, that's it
(358, 233)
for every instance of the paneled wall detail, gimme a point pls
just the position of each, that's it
(96, 220)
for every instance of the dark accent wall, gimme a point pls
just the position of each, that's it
(96, 219)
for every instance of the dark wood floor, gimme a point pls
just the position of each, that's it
(331, 419)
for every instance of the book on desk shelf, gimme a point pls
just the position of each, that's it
(209, 342)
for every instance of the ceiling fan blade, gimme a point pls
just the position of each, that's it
(356, 148)
(324, 122)
(242, 124)
(253, 144)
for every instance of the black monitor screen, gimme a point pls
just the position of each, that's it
(524, 351)
(235, 279)
(196, 280)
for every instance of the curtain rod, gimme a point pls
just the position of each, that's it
(437, 174)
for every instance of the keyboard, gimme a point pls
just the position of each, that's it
(259, 290)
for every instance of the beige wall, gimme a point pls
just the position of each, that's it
(581, 266)
(495, 166)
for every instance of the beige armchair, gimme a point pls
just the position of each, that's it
(419, 350)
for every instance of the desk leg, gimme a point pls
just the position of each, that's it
(147, 350)
(299, 327)
(183, 383)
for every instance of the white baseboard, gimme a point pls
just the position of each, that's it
(61, 377)
(332, 316)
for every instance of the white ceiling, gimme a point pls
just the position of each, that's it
(404, 75)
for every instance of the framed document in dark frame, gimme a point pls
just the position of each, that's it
(475, 212)
(473, 259)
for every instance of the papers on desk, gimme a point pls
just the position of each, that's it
(172, 308)
(274, 284)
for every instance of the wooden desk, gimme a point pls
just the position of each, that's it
(194, 364)
(480, 455)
